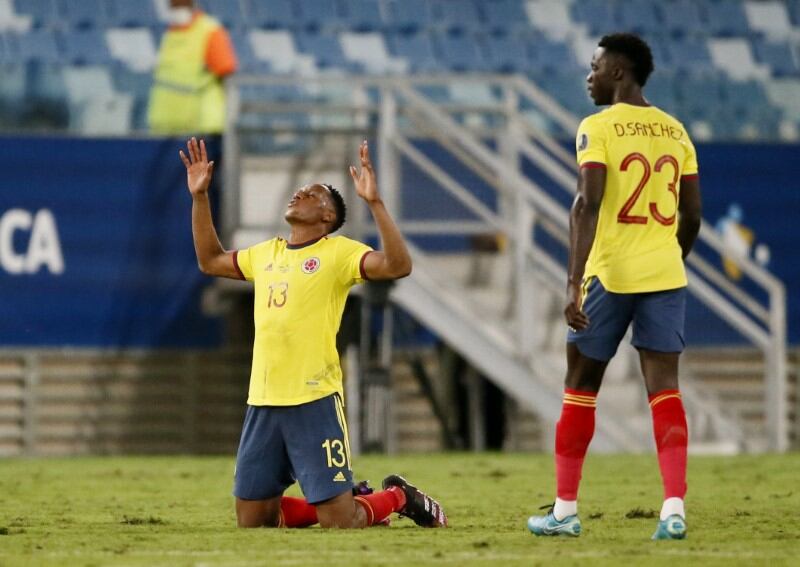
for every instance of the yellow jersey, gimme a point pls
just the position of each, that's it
(645, 152)
(300, 292)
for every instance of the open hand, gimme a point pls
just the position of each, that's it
(366, 182)
(198, 169)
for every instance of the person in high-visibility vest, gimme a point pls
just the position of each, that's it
(195, 56)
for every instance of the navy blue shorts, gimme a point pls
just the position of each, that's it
(307, 442)
(657, 317)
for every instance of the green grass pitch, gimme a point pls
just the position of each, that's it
(178, 511)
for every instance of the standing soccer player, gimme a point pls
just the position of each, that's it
(633, 222)
(295, 426)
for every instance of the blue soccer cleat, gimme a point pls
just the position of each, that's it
(549, 526)
(673, 527)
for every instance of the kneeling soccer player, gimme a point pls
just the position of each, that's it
(295, 425)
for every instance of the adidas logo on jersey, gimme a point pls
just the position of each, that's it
(339, 477)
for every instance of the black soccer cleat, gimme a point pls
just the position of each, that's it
(420, 508)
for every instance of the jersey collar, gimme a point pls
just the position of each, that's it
(303, 244)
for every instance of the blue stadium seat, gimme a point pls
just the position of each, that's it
(408, 15)
(248, 62)
(85, 13)
(128, 14)
(137, 84)
(697, 93)
(361, 15)
(660, 90)
(505, 16)
(598, 15)
(778, 55)
(417, 49)
(228, 12)
(318, 14)
(460, 52)
(508, 53)
(684, 17)
(42, 12)
(38, 45)
(325, 48)
(690, 54)
(275, 14)
(727, 18)
(556, 56)
(642, 16)
(568, 89)
(743, 95)
(86, 47)
(461, 16)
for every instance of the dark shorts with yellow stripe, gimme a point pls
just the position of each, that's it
(281, 444)
(657, 319)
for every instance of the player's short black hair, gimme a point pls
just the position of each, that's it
(338, 204)
(634, 49)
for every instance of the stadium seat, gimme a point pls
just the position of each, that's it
(248, 61)
(508, 54)
(95, 108)
(42, 12)
(325, 48)
(460, 52)
(568, 89)
(548, 54)
(227, 12)
(369, 49)
(777, 55)
(683, 17)
(126, 80)
(408, 15)
(417, 49)
(276, 14)
(460, 17)
(726, 18)
(362, 15)
(735, 57)
(318, 15)
(86, 47)
(276, 47)
(127, 14)
(599, 16)
(504, 16)
(642, 16)
(40, 45)
(769, 17)
(690, 54)
(85, 13)
(135, 47)
(660, 90)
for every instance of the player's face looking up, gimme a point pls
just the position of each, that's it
(310, 205)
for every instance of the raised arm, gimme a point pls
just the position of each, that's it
(212, 258)
(582, 226)
(393, 261)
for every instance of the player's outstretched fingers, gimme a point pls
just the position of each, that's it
(203, 154)
(184, 159)
(354, 173)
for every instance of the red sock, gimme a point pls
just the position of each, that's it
(297, 513)
(574, 431)
(379, 505)
(672, 439)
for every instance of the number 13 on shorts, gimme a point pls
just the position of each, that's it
(337, 453)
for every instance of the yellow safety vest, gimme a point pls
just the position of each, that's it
(186, 97)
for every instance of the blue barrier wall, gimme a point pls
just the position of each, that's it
(96, 246)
